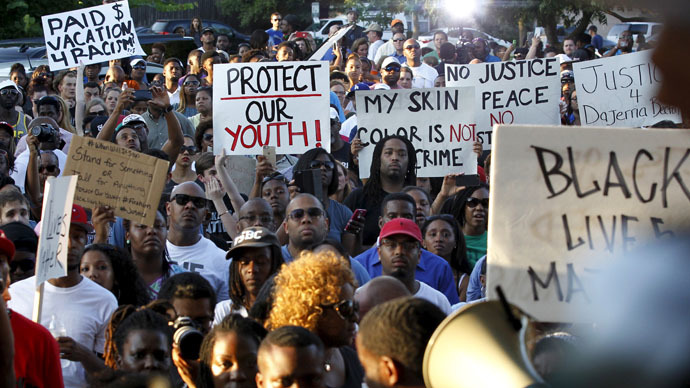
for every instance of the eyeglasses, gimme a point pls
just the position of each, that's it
(406, 245)
(51, 169)
(398, 40)
(191, 83)
(318, 164)
(139, 67)
(192, 150)
(11, 92)
(312, 212)
(208, 136)
(392, 68)
(274, 176)
(183, 199)
(253, 218)
(473, 202)
(414, 46)
(346, 309)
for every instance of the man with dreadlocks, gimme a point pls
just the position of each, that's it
(392, 168)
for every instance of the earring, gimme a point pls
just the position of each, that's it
(128, 243)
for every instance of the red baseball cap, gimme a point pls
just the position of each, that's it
(401, 226)
(6, 246)
(80, 218)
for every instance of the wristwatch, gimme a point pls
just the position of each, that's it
(168, 109)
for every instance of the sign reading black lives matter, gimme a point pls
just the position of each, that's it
(621, 91)
(565, 202)
(280, 104)
(90, 35)
(521, 92)
(440, 123)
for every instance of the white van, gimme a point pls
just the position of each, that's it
(646, 29)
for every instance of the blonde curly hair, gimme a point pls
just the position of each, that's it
(302, 286)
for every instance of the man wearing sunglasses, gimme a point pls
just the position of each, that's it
(186, 245)
(423, 74)
(9, 98)
(387, 48)
(398, 44)
(27, 174)
(306, 225)
(400, 247)
(390, 72)
(275, 34)
(137, 76)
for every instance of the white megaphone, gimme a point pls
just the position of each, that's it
(481, 345)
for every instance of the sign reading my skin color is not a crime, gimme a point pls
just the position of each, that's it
(564, 202)
(280, 104)
(90, 35)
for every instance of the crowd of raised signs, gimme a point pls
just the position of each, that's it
(275, 286)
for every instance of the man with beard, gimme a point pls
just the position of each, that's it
(172, 71)
(73, 301)
(187, 248)
(9, 97)
(307, 224)
(392, 340)
(400, 246)
(390, 73)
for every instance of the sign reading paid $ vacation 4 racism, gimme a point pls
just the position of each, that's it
(621, 91)
(566, 201)
(521, 92)
(90, 35)
(438, 121)
(280, 104)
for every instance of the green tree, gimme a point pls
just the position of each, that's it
(255, 14)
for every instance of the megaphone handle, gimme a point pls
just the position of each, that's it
(506, 307)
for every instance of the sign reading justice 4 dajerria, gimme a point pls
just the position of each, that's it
(440, 123)
(90, 35)
(564, 202)
(521, 92)
(621, 91)
(280, 104)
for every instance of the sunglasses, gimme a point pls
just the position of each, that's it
(346, 309)
(277, 20)
(398, 40)
(208, 136)
(12, 92)
(191, 83)
(192, 150)
(98, 113)
(183, 199)
(415, 46)
(473, 202)
(51, 169)
(139, 67)
(46, 75)
(274, 176)
(392, 68)
(312, 212)
(25, 265)
(318, 164)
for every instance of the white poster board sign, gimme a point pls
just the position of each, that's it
(51, 259)
(566, 201)
(440, 123)
(90, 35)
(620, 91)
(318, 54)
(281, 104)
(520, 92)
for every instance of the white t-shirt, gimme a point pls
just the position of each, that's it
(175, 96)
(206, 259)
(84, 310)
(373, 48)
(423, 76)
(21, 163)
(384, 50)
(429, 293)
(224, 308)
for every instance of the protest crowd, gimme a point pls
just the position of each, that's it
(314, 268)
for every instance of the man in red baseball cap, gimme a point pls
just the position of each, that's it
(33, 344)
(400, 247)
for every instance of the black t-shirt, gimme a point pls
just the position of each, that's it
(343, 154)
(357, 200)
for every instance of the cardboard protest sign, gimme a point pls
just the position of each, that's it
(521, 92)
(56, 216)
(565, 201)
(129, 182)
(620, 91)
(440, 123)
(321, 51)
(281, 104)
(90, 35)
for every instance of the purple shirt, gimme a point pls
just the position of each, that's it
(431, 269)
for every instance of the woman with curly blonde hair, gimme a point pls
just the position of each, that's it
(316, 292)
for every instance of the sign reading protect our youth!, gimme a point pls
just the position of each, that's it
(520, 92)
(440, 123)
(56, 216)
(621, 91)
(565, 202)
(129, 182)
(90, 35)
(280, 104)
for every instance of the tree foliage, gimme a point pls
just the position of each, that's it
(255, 14)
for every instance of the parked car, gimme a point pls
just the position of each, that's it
(427, 39)
(646, 29)
(167, 26)
(319, 30)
